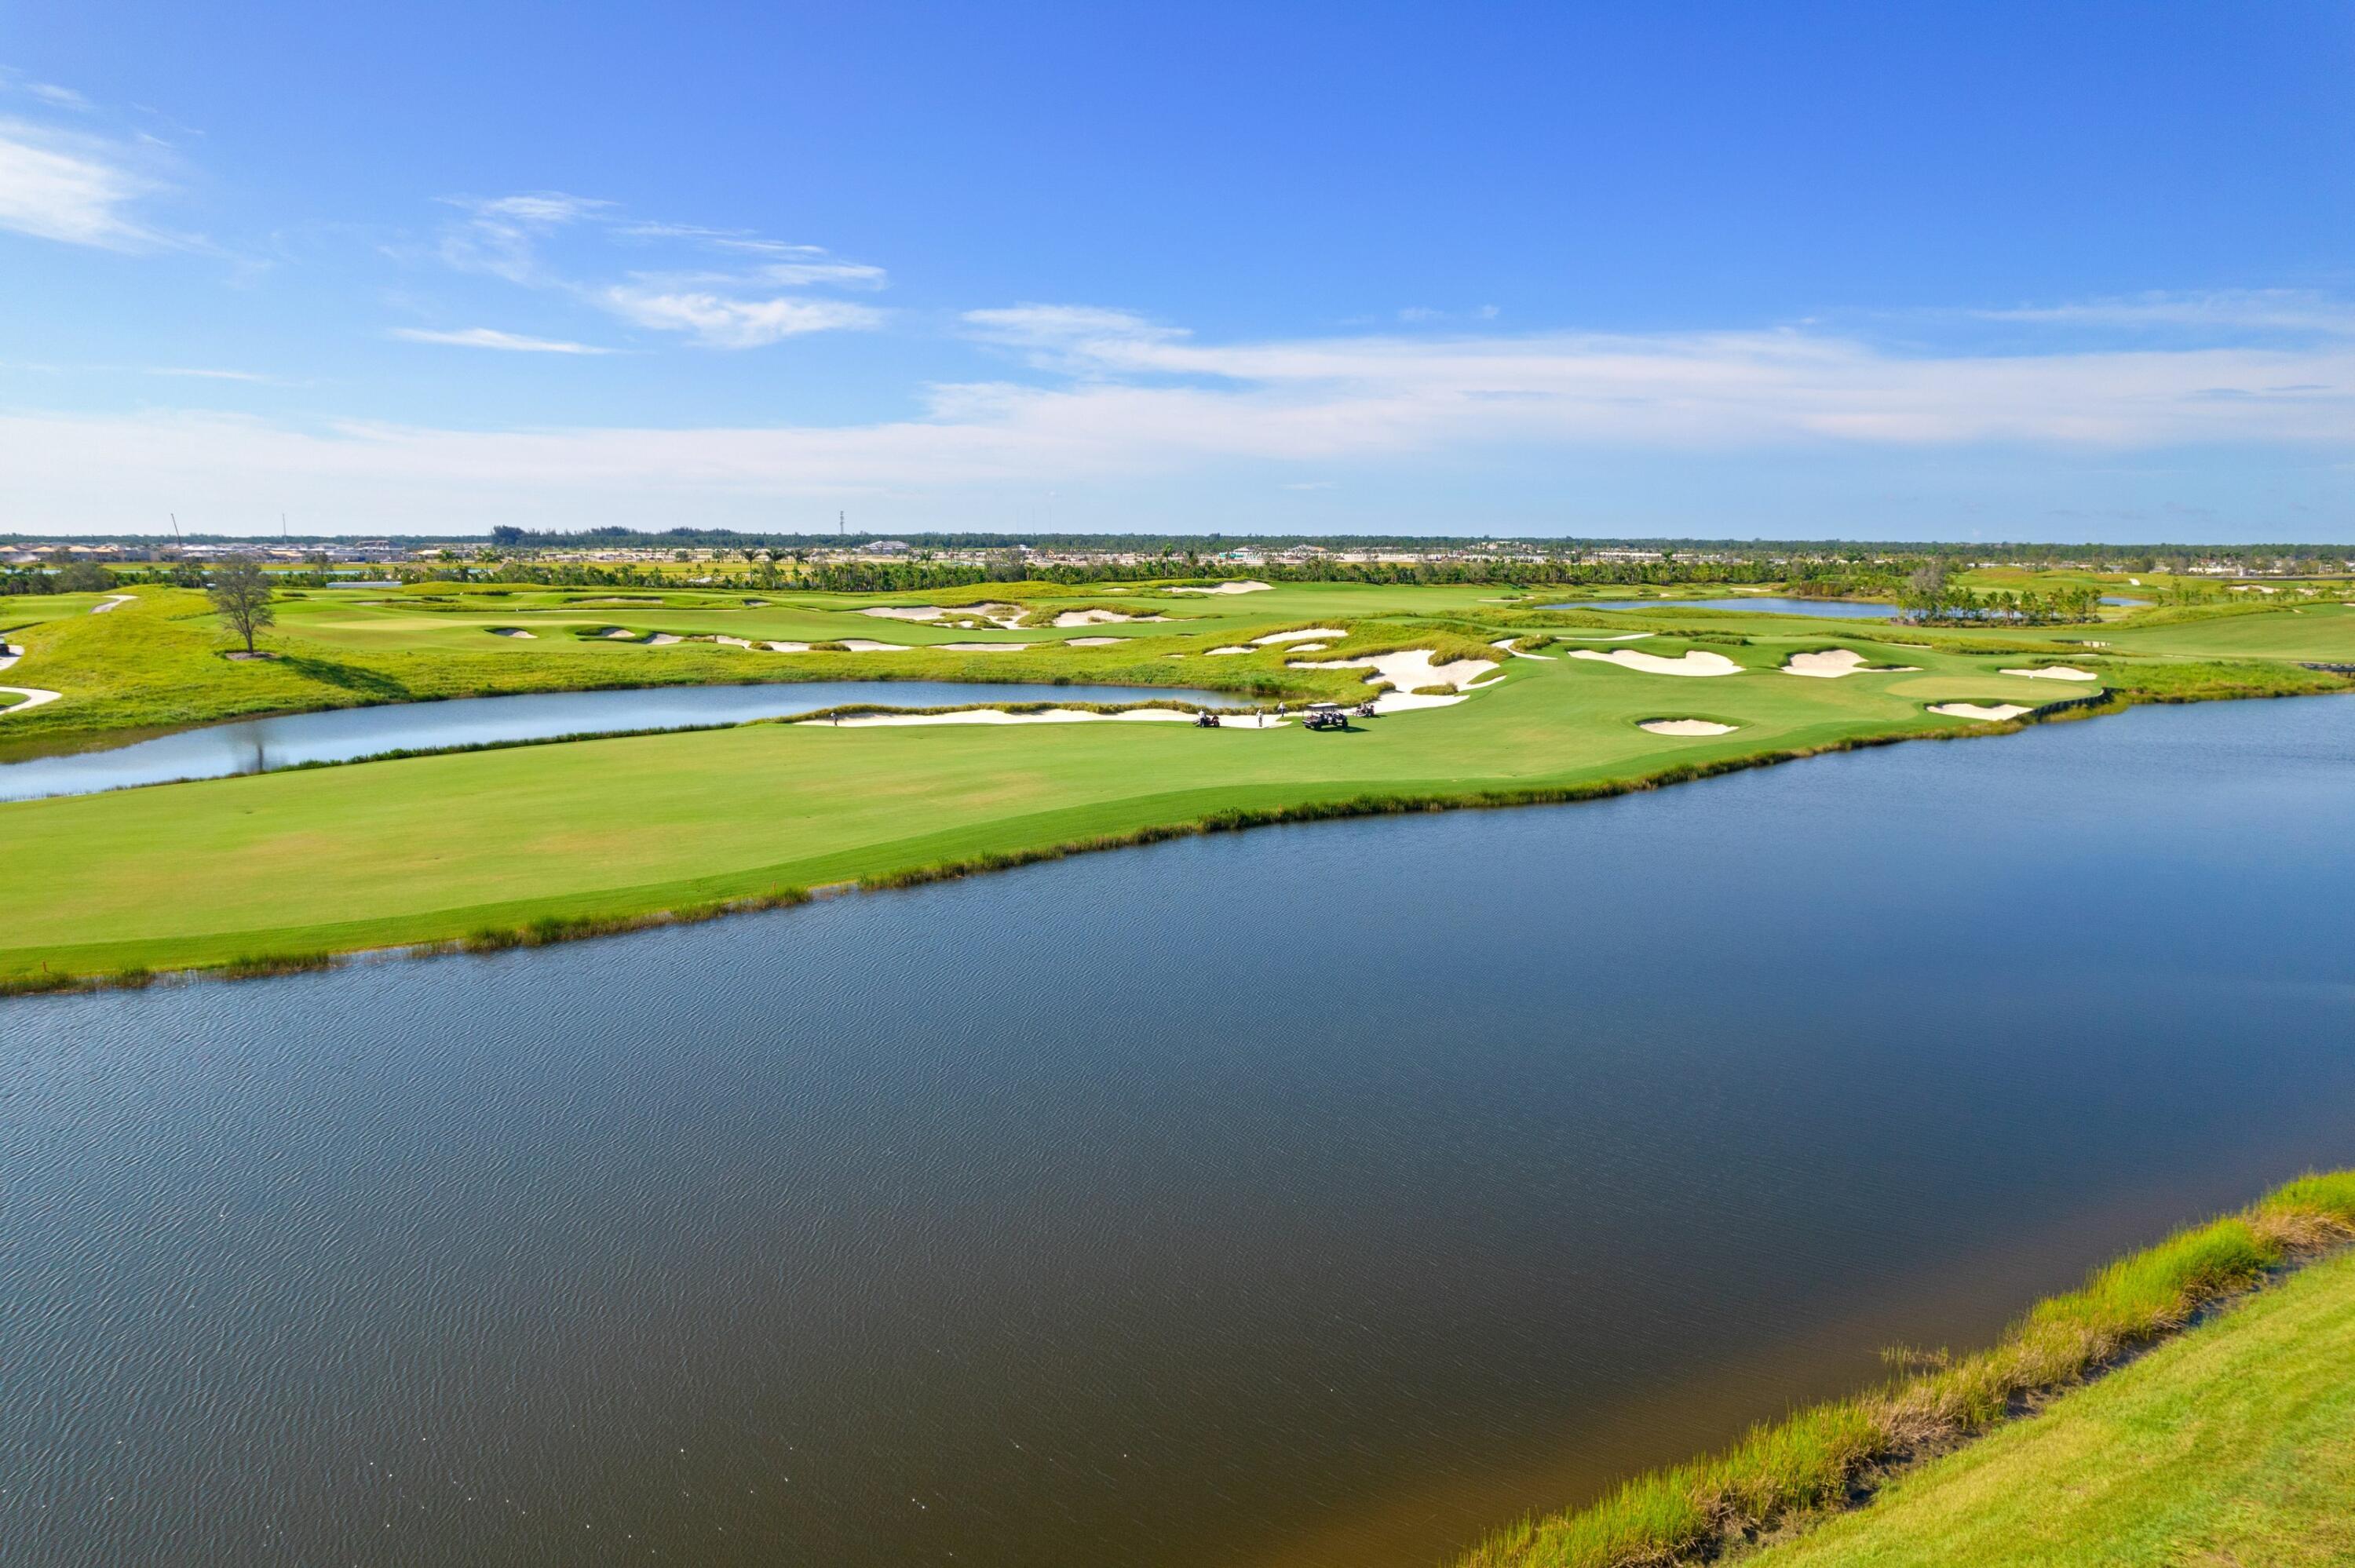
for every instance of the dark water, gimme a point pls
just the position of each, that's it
(1832, 609)
(257, 746)
(1312, 1196)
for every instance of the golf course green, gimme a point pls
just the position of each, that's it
(533, 841)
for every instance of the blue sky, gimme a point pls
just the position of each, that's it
(2071, 271)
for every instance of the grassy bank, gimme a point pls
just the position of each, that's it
(2131, 1444)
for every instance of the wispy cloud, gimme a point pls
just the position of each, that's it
(2268, 310)
(491, 337)
(75, 189)
(719, 321)
(735, 306)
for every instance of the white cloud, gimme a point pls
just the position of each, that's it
(1143, 401)
(720, 321)
(491, 337)
(77, 190)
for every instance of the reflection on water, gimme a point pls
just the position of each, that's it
(256, 746)
(1315, 1197)
(1832, 609)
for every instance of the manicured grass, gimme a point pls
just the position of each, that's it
(2198, 1443)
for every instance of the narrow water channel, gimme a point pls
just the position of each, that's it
(1309, 1198)
(345, 735)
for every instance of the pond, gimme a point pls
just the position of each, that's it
(342, 735)
(1832, 609)
(1308, 1198)
(2121, 599)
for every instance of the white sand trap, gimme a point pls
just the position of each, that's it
(1326, 632)
(983, 647)
(123, 599)
(34, 697)
(1685, 727)
(722, 637)
(1094, 642)
(1833, 662)
(661, 640)
(1507, 644)
(1005, 615)
(788, 647)
(905, 611)
(1047, 715)
(1694, 663)
(1599, 636)
(1310, 647)
(2056, 672)
(620, 634)
(1995, 713)
(511, 631)
(1238, 648)
(1100, 617)
(1407, 673)
(863, 645)
(1229, 588)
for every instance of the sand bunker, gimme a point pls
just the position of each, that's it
(983, 647)
(34, 697)
(1229, 587)
(1005, 615)
(1695, 661)
(661, 640)
(1310, 647)
(1047, 715)
(1093, 641)
(722, 637)
(122, 599)
(1685, 727)
(1833, 662)
(1326, 632)
(1599, 636)
(861, 645)
(510, 631)
(2056, 672)
(790, 647)
(1239, 649)
(1100, 617)
(1507, 644)
(1995, 713)
(1408, 673)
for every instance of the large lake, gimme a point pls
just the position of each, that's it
(1309, 1198)
(344, 734)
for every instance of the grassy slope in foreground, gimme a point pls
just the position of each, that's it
(2235, 1444)
(2251, 1374)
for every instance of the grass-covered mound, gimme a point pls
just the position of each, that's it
(1824, 1459)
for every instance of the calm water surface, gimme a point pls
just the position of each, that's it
(1311, 1197)
(257, 746)
(1832, 609)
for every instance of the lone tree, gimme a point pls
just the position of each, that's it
(240, 591)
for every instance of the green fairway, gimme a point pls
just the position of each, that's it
(436, 848)
(2235, 1444)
